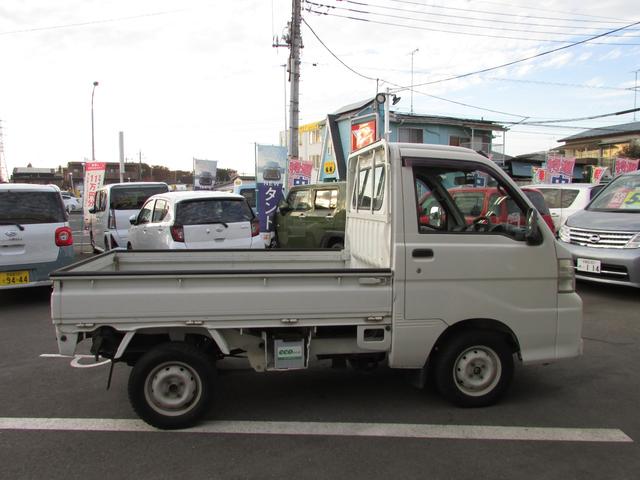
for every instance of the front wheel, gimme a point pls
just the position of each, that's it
(170, 387)
(474, 368)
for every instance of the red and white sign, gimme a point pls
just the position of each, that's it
(539, 175)
(624, 165)
(362, 134)
(299, 172)
(93, 180)
(559, 165)
(597, 173)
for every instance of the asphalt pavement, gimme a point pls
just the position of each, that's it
(324, 423)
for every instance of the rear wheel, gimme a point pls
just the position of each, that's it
(337, 245)
(474, 368)
(170, 386)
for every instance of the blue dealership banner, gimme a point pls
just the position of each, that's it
(271, 165)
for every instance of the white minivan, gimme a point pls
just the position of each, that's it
(195, 220)
(35, 237)
(114, 204)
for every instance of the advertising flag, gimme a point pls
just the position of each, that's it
(93, 180)
(299, 173)
(560, 168)
(597, 173)
(204, 174)
(539, 175)
(271, 164)
(624, 165)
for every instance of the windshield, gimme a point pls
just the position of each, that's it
(132, 198)
(212, 210)
(31, 207)
(623, 194)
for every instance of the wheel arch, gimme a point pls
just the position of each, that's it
(482, 324)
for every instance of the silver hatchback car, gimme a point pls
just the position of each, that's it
(604, 238)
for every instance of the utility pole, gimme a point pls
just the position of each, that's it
(295, 40)
(139, 165)
(412, 54)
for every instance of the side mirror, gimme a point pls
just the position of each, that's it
(532, 233)
(133, 219)
(284, 207)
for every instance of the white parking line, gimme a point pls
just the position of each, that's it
(395, 430)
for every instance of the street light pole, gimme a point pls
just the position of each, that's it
(412, 54)
(93, 145)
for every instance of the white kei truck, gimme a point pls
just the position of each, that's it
(425, 283)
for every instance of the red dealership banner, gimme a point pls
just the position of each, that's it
(362, 134)
(93, 180)
(624, 165)
(559, 165)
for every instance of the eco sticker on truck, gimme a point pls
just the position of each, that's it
(289, 352)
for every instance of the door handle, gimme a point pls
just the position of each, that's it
(422, 253)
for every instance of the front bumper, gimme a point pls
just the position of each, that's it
(619, 266)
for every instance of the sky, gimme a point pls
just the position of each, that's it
(201, 78)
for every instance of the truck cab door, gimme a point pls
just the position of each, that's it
(458, 270)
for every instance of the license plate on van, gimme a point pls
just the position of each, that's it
(588, 265)
(14, 278)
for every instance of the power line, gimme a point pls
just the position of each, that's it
(491, 20)
(558, 84)
(93, 22)
(505, 14)
(623, 112)
(540, 9)
(396, 85)
(538, 55)
(458, 32)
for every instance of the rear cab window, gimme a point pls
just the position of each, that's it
(133, 198)
(213, 210)
(31, 207)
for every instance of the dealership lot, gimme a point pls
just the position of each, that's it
(568, 420)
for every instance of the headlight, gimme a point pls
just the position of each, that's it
(564, 234)
(566, 276)
(634, 242)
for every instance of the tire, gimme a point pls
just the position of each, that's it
(129, 246)
(338, 245)
(474, 368)
(170, 386)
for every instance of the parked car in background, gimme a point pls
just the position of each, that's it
(35, 237)
(194, 220)
(248, 191)
(114, 204)
(71, 203)
(566, 199)
(490, 204)
(312, 216)
(604, 238)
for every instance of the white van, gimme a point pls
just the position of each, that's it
(35, 237)
(114, 204)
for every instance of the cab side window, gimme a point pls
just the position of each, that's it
(145, 213)
(467, 201)
(326, 199)
(299, 200)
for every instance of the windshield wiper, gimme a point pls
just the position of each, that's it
(20, 227)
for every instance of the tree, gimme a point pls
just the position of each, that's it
(632, 150)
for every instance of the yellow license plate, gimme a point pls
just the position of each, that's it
(14, 278)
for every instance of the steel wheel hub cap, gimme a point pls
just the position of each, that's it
(172, 388)
(477, 370)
